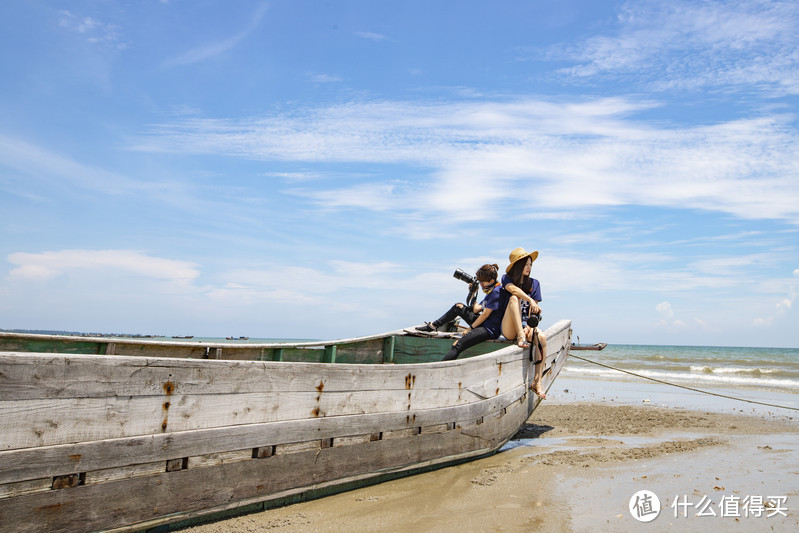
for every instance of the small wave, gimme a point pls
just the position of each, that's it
(736, 370)
(692, 378)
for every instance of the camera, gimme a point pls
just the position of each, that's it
(463, 276)
(471, 298)
(533, 320)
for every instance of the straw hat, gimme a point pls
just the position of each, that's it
(517, 255)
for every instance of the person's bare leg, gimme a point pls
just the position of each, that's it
(512, 323)
(539, 342)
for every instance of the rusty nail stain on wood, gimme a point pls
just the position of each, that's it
(75, 457)
(315, 412)
(321, 386)
(53, 507)
(169, 387)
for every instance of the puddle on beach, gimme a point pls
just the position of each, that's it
(740, 467)
(589, 442)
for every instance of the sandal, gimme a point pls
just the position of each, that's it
(521, 342)
(536, 388)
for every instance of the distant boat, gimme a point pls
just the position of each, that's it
(131, 434)
(597, 346)
(237, 338)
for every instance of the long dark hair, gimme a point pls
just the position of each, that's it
(517, 277)
(487, 272)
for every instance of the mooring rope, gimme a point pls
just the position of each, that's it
(681, 386)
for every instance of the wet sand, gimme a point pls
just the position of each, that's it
(574, 467)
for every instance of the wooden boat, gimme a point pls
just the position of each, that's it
(597, 346)
(113, 434)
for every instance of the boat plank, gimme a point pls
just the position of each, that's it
(28, 376)
(49, 461)
(29, 423)
(194, 489)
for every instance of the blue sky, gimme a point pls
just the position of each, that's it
(319, 169)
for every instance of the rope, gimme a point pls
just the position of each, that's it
(681, 386)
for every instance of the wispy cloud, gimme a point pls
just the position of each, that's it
(217, 48)
(680, 44)
(38, 163)
(324, 78)
(92, 29)
(783, 305)
(40, 174)
(45, 266)
(565, 154)
(377, 37)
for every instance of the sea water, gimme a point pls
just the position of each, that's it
(767, 369)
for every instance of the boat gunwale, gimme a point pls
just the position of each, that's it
(510, 348)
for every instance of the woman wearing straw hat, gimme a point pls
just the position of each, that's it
(518, 290)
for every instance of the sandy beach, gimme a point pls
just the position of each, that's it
(576, 465)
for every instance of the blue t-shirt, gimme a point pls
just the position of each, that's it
(493, 301)
(535, 294)
(504, 296)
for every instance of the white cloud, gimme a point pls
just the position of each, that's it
(740, 43)
(374, 197)
(39, 163)
(45, 266)
(42, 175)
(377, 37)
(665, 311)
(216, 48)
(93, 30)
(324, 78)
(783, 305)
(565, 154)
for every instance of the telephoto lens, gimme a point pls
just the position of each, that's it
(463, 276)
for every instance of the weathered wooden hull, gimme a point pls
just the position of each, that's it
(127, 442)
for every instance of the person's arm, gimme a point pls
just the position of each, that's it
(520, 294)
(482, 318)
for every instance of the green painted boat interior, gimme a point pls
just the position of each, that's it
(397, 349)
